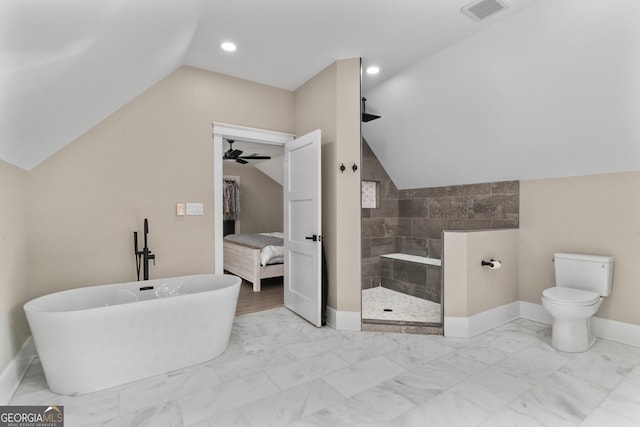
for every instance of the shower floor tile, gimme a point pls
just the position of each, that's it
(403, 307)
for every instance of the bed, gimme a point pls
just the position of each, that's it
(254, 256)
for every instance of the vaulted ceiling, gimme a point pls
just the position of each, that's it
(461, 101)
(552, 91)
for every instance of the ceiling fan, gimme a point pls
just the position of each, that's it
(236, 155)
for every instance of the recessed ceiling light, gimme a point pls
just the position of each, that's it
(373, 69)
(228, 46)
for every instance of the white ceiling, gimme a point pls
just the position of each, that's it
(67, 64)
(553, 91)
(547, 88)
(284, 43)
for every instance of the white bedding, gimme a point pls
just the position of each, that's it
(272, 254)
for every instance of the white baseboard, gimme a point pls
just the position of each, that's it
(613, 330)
(456, 327)
(331, 317)
(344, 320)
(466, 327)
(15, 370)
(535, 312)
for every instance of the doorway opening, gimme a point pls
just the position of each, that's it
(302, 237)
(238, 152)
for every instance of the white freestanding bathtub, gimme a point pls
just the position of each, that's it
(93, 338)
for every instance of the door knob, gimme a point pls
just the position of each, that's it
(314, 237)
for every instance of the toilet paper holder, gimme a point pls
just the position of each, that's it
(492, 264)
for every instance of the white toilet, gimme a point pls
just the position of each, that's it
(581, 281)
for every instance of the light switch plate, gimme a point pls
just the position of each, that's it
(195, 208)
(180, 208)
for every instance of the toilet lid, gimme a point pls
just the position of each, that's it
(570, 296)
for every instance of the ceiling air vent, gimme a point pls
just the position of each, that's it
(482, 9)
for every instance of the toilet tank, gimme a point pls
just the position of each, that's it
(581, 271)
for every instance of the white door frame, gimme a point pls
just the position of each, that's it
(222, 131)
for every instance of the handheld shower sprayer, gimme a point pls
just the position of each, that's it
(136, 253)
(143, 256)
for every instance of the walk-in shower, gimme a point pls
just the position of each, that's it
(408, 290)
(402, 249)
(401, 266)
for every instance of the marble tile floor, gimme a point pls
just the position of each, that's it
(403, 307)
(281, 371)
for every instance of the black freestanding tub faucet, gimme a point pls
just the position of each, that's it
(144, 256)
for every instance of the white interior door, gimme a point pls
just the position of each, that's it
(302, 227)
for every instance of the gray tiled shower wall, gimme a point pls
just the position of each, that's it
(411, 222)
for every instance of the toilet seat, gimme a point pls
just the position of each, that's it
(570, 296)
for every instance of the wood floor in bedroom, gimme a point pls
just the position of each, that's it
(271, 296)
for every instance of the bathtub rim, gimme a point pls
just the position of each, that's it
(31, 305)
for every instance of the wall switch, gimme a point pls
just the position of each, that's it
(180, 208)
(195, 208)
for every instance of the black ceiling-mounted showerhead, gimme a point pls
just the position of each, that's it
(366, 117)
(232, 154)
